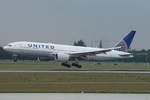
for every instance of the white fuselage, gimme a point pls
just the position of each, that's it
(49, 50)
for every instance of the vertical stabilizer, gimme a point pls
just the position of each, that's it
(125, 43)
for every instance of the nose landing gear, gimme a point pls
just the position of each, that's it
(15, 58)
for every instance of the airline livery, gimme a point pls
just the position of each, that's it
(65, 53)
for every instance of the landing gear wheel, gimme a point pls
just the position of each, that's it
(76, 65)
(66, 65)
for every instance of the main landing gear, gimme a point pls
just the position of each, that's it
(66, 64)
(76, 65)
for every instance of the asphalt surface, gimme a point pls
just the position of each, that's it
(79, 71)
(72, 96)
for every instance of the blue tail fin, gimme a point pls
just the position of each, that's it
(125, 43)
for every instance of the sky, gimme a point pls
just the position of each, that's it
(64, 21)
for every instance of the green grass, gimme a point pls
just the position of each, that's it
(58, 82)
(86, 66)
(74, 82)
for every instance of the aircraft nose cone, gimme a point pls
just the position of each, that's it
(5, 48)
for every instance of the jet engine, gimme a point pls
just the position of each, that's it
(62, 57)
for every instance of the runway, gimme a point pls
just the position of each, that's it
(79, 71)
(72, 96)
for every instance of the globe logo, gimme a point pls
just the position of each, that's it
(123, 46)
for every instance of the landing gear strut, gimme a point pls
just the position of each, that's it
(15, 58)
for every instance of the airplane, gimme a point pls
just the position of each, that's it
(64, 53)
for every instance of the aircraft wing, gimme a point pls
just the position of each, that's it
(86, 53)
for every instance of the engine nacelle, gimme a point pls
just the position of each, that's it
(62, 57)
